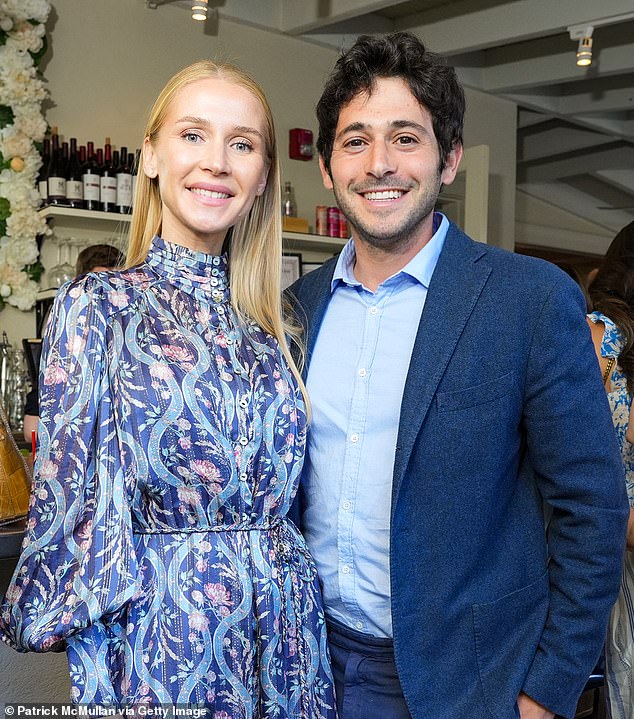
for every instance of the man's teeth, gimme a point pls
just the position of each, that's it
(210, 193)
(384, 195)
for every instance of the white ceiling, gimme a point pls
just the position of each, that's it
(575, 139)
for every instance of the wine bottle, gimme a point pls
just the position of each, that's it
(74, 184)
(124, 183)
(108, 180)
(42, 184)
(90, 178)
(134, 164)
(56, 177)
(289, 207)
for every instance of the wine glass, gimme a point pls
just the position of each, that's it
(63, 270)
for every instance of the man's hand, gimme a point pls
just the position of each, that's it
(530, 709)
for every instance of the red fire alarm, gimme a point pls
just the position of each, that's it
(300, 144)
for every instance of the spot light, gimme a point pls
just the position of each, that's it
(584, 52)
(583, 33)
(199, 10)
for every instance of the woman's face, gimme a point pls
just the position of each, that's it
(210, 160)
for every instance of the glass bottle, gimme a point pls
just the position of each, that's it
(289, 206)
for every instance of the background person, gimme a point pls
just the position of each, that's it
(97, 258)
(612, 326)
(455, 392)
(172, 435)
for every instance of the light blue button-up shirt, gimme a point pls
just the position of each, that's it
(355, 382)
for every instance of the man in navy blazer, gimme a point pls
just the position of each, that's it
(457, 408)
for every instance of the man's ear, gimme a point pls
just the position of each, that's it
(325, 174)
(149, 159)
(452, 161)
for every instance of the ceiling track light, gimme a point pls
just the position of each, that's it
(584, 52)
(583, 33)
(199, 10)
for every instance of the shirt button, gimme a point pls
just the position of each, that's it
(359, 625)
(345, 569)
(214, 281)
(354, 437)
(346, 505)
(363, 372)
(243, 441)
(373, 310)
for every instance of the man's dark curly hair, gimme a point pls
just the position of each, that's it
(401, 54)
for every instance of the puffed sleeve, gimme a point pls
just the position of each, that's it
(78, 563)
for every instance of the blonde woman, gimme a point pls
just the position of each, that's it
(158, 551)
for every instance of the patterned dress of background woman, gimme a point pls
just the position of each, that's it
(619, 646)
(157, 552)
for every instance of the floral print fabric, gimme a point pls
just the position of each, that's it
(619, 672)
(158, 553)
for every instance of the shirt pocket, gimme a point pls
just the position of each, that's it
(475, 395)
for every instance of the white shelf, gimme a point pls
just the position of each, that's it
(316, 243)
(72, 218)
(74, 213)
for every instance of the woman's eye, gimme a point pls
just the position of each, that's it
(243, 146)
(191, 136)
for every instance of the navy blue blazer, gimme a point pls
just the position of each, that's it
(504, 420)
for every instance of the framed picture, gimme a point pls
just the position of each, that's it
(291, 268)
(310, 266)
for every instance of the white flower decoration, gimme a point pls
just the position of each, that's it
(22, 91)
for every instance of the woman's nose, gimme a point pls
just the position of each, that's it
(215, 159)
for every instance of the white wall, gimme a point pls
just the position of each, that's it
(544, 225)
(492, 121)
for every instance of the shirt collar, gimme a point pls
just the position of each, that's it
(421, 267)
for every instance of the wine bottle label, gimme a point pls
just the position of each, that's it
(74, 190)
(108, 189)
(124, 189)
(56, 187)
(91, 187)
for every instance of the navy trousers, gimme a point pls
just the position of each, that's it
(366, 682)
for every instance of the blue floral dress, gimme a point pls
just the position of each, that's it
(158, 553)
(620, 640)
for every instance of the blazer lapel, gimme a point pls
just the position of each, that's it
(456, 284)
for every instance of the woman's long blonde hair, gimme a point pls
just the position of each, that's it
(255, 246)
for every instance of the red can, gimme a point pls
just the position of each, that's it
(343, 226)
(333, 221)
(321, 220)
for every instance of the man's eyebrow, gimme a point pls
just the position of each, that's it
(395, 124)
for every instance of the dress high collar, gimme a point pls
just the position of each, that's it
(194, 272)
